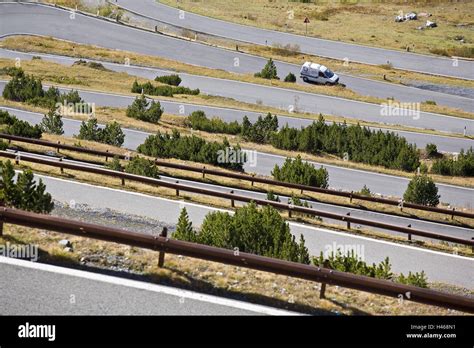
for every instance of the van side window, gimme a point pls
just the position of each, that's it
(321, 74)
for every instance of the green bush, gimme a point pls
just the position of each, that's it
(352, 263)
(24, 129)
(251, 230)
(198, 120)
(269, 71)
(184, 228)
(114, 164)
(112, 134)
(272, 197)
(262, 130)
(52, 122)
(290, 78)
(142, 166)
(14, 126)
(25, 193)
(190, 148)
(422, 190)
(298, 172)
(173, 80)
(28, 89)
(167, 91)
(431, 150)
(365, 191)
(360, 144)
(143, 110)
(416, 279)
(463, 165)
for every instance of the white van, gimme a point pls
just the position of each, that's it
(312, 72)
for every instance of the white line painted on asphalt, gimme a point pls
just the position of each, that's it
(342, 234)
(145, 286)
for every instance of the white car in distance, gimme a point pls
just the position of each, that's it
(317, 73)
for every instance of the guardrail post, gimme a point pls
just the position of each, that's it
(161, 257)
(203, 172)
(350, 197)
(106, 156)
(177, 190)
(251, 182)
(348, 222)
(156, 28)
(322, 292)
(57, 149)
(472, 246)
(409, 234)
(232, 202)
(123, 181)
(61, 168)
(452, 215)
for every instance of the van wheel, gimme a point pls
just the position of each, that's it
(305, 79)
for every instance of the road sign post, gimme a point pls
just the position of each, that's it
(306, 21)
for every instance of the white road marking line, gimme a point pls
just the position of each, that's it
(146, 286)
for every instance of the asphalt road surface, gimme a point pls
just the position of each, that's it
(387, 185)
(286, 98)
(438, 266)
(30, 288)
(320, 47)
(43, 20)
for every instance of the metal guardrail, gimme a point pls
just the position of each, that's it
(232, 197)
(230, 257)
(245, 177)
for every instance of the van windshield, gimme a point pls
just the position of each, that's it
(328, 73)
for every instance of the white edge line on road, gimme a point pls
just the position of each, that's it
(70, 272)
(342, 234)
(291, 223)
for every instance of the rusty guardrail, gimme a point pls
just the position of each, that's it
(245, 177)
(232, 197)
(164, 244)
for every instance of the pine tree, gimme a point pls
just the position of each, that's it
(52, 122)
(26, 185)
(112, 134)
(90, 130)
(422, 190)
(184, 228)
(303, 254)
(269, 71)
(43, 200)
(9, 192)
